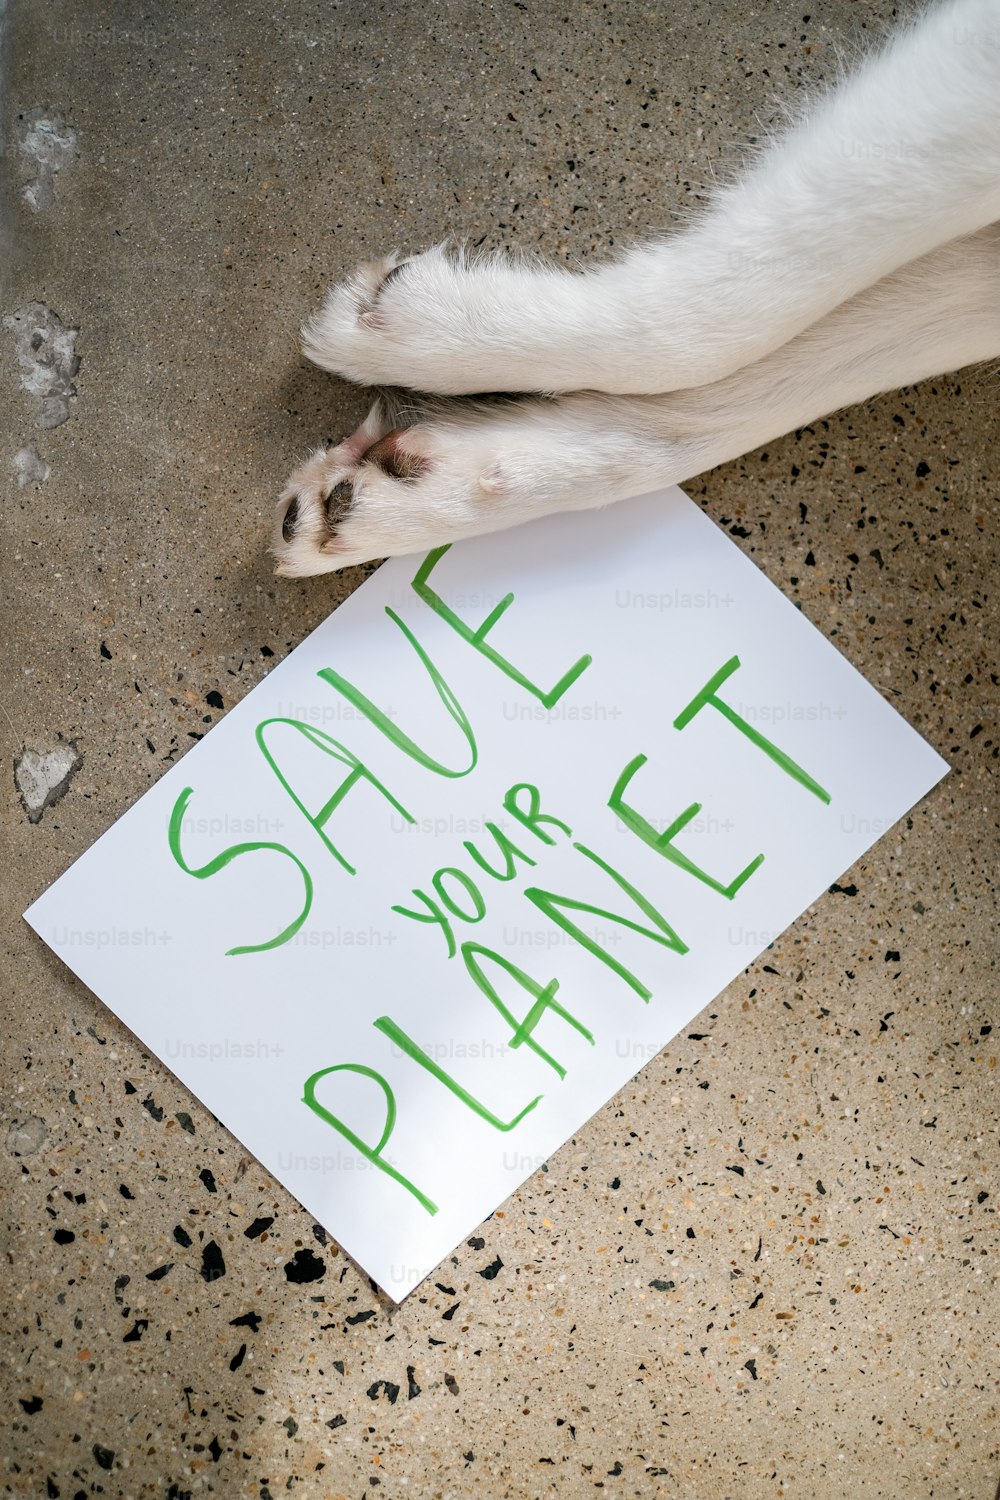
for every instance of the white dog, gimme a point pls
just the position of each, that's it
(860, 252)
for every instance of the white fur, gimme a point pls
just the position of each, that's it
(860, 252)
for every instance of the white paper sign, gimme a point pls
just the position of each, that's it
(475, 852)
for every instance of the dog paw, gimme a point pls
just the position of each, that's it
(448, 324)
(460, 470)
(313, 516)
(382, 492)
(393, 321)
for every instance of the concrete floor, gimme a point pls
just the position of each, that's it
(196, 174)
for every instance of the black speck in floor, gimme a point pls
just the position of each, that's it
(130, 1088)
(136, 1332)
(33, 1404)
(212, 1264)
(104, 651)
(751, 1365)
(488, 1273)
(64, 1236)
(185, 1121)
(451, 1383)
(103, 1457)
(843, 890)
(305, 1266)
(450, 1312)
(214, 699)
(238, 1357)
(214, 1449)
(181, 1236)
(662, 1286)
(449, 1291)
(476, 1243)
(257, 1228)
(249, 1320)
(121, 1283)
(155, 1110)
(160, 1271)
(208, 1179)
(338, 1421)
(319, 1233)
(361, 1317)
(125, 1192)
(412, 1389)
(391, 1390)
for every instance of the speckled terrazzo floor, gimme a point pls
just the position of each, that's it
(768, 1267)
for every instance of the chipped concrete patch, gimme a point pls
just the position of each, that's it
(47, 141)
(46, 359)
(26, 1136)
(29, 466)
(43, 779)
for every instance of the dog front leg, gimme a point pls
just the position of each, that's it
(899, 159)
(466, 467)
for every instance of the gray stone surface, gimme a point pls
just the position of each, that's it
(821, 1324)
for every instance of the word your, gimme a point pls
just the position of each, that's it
(449, 905)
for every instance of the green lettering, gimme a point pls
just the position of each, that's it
(507, 848)
(226, 857)
(555, 907)
(543, 995)
(371, 1153)
(392, 732)
(663, 842)
(338, 752)
(435, 914)
(407, 1045)
(471, 890)
(476, 638)
(709, 694)
(532, 817)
